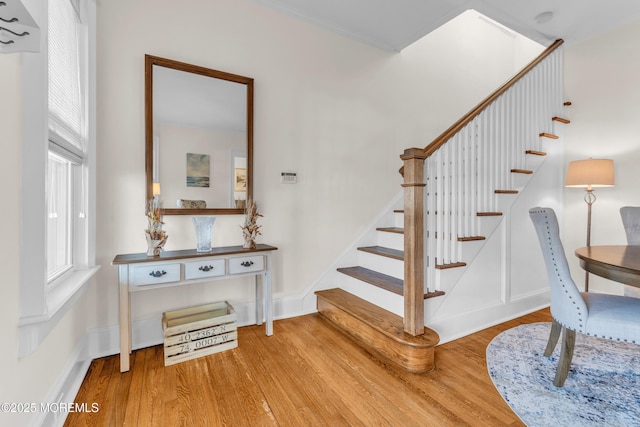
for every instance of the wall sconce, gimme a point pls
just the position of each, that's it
(588, 174)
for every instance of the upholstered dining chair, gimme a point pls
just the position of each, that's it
(631, 222)
(612, 317)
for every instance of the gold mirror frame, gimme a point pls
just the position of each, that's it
(150, 61)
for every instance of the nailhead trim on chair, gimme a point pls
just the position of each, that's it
(557, 265)
(605, 337)
(553, 257)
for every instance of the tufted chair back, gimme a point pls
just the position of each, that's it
(567, 305)
(631, 221)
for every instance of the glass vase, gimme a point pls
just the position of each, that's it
(204, 229)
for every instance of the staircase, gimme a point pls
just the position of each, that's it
(378, 330)
(455, 225)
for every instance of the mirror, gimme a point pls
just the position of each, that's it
(199, 138)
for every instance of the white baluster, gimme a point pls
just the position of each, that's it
(464, 173)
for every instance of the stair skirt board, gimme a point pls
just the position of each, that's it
(378, 331)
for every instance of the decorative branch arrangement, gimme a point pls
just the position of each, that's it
(251, 229)
(156, 236)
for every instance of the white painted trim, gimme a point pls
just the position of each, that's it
(32, 330)
(452, 328)
(66, 386)
(147, 332)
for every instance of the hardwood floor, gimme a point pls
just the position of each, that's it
(306, 374)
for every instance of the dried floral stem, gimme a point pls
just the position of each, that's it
(154, 221)
(251, 229)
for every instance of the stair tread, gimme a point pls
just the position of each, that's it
(489, 214)
(398, 230)
(389, 283)
(383, 281)
(384, 321)
(382, 251)
(561, 120)
(548, 135)
(506, 191)
(536, 153)
(525, 171)
(470, 238)
(452, 265)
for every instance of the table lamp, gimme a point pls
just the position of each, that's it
(589, 174)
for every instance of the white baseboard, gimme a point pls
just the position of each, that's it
(452, 328)
(147, 332)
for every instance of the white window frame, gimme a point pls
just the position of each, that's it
(43, 305)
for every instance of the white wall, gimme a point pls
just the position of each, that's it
(602, 83)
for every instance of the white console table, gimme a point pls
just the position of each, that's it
(139, 272)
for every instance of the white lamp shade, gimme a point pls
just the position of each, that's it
(590, 173)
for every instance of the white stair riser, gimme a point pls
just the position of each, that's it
(381, 264)
(398, 218)
(391, 240)
(382, 298)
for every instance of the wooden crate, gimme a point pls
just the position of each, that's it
(198, 331)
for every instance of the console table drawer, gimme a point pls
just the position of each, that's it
(154, 274)
(204, 268)
(246, 264)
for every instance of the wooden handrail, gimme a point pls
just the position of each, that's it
(457, 126)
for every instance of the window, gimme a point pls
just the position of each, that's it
(58, 168)
(59, 217)
(67, 136)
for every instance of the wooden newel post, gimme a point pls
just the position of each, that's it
(414, 240)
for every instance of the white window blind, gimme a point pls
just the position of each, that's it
(66, 107)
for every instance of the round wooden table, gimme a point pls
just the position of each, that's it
(620, 263)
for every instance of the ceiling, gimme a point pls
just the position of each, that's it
(395, 24)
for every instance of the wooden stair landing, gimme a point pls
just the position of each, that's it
(378, 331)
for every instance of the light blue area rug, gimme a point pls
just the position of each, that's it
(602, 389)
